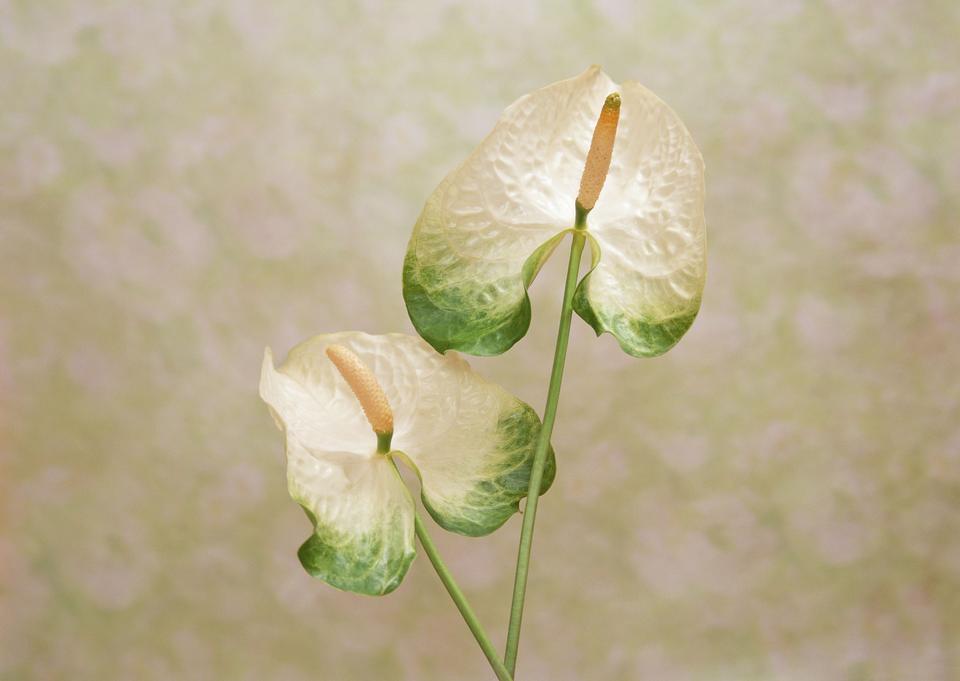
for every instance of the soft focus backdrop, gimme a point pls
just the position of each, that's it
(183, 183)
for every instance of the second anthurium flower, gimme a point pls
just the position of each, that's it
(491, 224)
(349, 403)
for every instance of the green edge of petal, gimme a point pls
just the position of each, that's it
(637, 337)
(533, 264)
(491, 502)
(364, 566)
(447, 321)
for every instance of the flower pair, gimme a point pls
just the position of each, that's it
(481, 239)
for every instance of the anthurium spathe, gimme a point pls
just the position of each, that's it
(349, 403)
(486, 230)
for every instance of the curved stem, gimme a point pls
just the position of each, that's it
(543, 444)
(461, 601)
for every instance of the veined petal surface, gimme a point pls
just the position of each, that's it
(491, 221)
(361, 511)
(471, 442)
(362, 515)
(462, 276)
(649, 223)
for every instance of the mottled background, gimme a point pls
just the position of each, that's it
(182, 183)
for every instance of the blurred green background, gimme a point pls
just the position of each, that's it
(183, 183)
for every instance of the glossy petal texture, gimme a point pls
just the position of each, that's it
(649, 223)
(363, 519)
(470, 441)
(464, 281)
(361, 511)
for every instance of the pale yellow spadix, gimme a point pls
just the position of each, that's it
(601, 151)
(364, 385)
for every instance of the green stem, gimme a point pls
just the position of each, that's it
(456, 594)
(543, 444)
(461, 601)
(454, 590)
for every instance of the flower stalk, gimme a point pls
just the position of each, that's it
(543, 444)
(594, 175)
(373, 400)
(503, 674)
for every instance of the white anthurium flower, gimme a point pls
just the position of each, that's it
(486, 230)
(470, 442)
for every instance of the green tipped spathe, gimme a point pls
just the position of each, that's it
(470, 442)
(489, 226)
